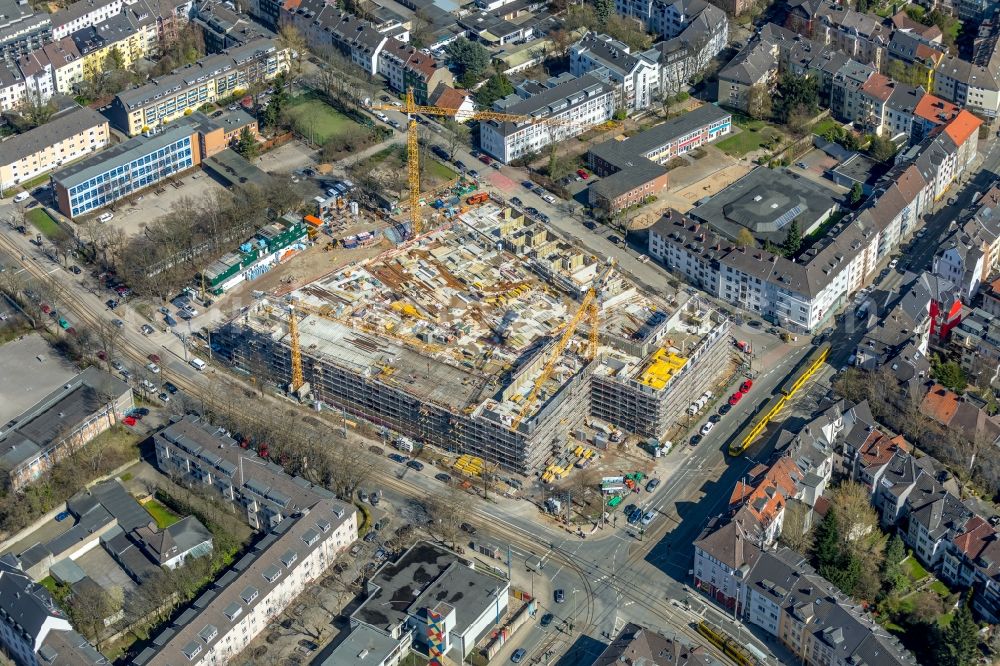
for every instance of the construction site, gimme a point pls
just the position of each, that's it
(490, 337)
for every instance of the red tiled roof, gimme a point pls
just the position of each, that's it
(973, 539)
(935, 109)
(878, 86)
(962, 127)
(450, 98)
(940, 404)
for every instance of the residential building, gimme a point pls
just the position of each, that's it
(786, 598)
(863, 37)
(722, 553)
(328, 29)
(212, 78)
(68, 136)
(970, 252)
(572, 104)
(60, 424)
(635, 646)
(969, 85)
(432, 599)
(223, 27)
(248, 598)
(962, 415)
(846, 99)
(991, 298)
(976, 340)
(56, 67)
(33, 630)
(636, 77)
(704, 27)
(83, 14)
(405, 67)
(21, 29)
(971, 561)
(919, 55)
(460, 102)
(756, 65)
(173, 545)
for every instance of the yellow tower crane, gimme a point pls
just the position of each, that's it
(293, 334)
(588, 308)
(411, 108)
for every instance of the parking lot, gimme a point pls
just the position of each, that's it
(134, 213)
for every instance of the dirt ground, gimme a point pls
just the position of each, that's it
(685, 198)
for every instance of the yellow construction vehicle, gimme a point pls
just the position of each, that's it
(411, 108)
(589, 309)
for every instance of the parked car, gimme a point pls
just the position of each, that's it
(147, 329)
(395, 457)
(118, 322)
(695, 440)
(171, 389)
(164, 397)
(152, 367)
(651, 486)
(443, 478)
(560, 596)
(467, 528)
(106, 217)
(590, 225)
(547, 619)
(735, 398)
(415, 464)
(21, 196)
(517, 202)
(582, 174)
(518, 655)
(707, 428)
(460, 165)
(614, 239)
(647, 518)
(745, 386)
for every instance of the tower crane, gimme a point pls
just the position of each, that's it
(589, 309)
(293, 334)
(411, 108)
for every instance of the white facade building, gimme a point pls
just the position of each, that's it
(575, 103)
(635, 77)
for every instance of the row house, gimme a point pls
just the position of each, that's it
(863, 37)
(405, 67)
(920, 56)
(976, 342)
(971, 86)
(972, 560)
(970, 252)
(573, 103)
(328, 29)
(779, 592)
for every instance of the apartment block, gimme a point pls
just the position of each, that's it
(863, 37)
(33, 442)
(636, 77)
(703, 25)
(977, 341)
(573, 103)
(405, 67)
(328, 29)
(304, 529)
(21, 29)
(639, 645)
(207, 80)
(56, 67)
(970, 251)
(971, 86)
(67, 137)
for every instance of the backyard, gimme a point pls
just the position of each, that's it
(163, 516)
(751, 135)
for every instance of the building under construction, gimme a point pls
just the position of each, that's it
(450, 340)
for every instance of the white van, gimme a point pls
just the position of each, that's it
(198, 364)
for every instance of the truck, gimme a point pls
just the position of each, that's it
(478, 198)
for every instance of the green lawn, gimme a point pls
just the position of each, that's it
(49, 583)
(824, 125)
(44, 223)
(913, 569)
(752, 135)
(940, 589)
(163, 516)
(317, 120)
(438, 170)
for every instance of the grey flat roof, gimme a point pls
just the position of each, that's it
(121, 154)
(624, 153)
(375, 645)
(424, 576)
(765, 201)
(628, 179)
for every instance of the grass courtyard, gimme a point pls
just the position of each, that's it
(751, 135)
(317, 120)
(44, 223)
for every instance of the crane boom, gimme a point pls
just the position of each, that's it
(293, 334)
(588, 307)
(411, 108)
